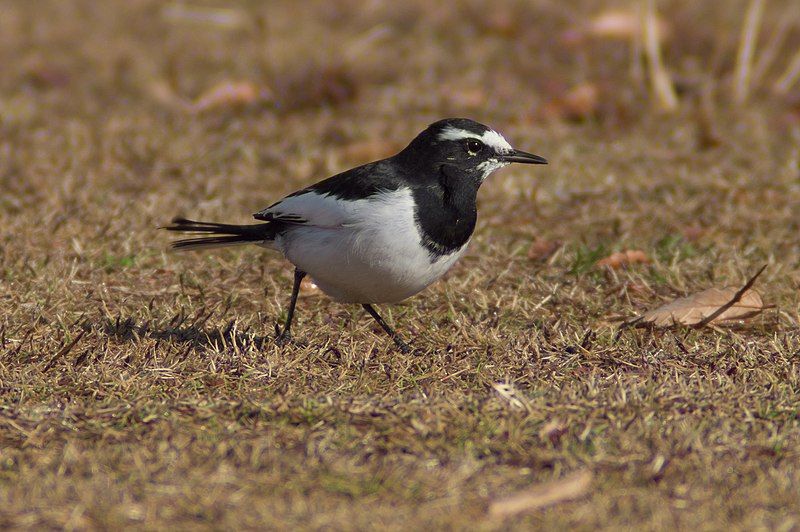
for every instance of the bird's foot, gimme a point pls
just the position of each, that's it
(282, 337)
(402, 346)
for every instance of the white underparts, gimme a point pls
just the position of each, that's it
(361, 251)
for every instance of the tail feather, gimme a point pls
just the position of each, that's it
(219, 235)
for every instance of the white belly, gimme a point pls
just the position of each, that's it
(365, 261)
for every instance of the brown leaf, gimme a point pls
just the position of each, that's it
(540, 496)
(228, 94)
(225, 18)
(313, 85)
(161, 91)
(543, 249)
(308, 286)
(580, 102)
(625, 258)
(499, 21)
(48, 75)
(623, 25)
(693, 309)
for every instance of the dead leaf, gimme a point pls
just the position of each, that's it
(693, 309)
(623, 25)
(229, 94)
(161, 91)
(577, 103)
(581, 101)
(637, 288)
(499, 21)
(612, 25)
(225, 18)
(623, 259)
(313, 85)
(47, 75)
(546, 494)
(543, 249)
(706, 307)
(308, 286)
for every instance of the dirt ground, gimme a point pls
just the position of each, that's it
(141, 388)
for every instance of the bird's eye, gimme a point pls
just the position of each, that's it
(474, 146)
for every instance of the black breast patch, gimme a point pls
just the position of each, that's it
(446, 214)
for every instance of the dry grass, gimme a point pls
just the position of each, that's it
(141, 388)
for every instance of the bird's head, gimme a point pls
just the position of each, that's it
(473, 148)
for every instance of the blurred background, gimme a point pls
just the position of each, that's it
(195, 93)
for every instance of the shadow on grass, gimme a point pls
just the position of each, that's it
(182, 329)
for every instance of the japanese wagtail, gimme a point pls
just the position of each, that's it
(381, 232)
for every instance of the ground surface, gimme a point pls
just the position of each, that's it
(141, 388)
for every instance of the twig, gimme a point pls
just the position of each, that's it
(546, 298)
(543, 495)
(789, 77)
(707, 135)
(637, 67)
(775, 44)
(23, 342)
(63, 351)
(747, 46)
(735, 299)
(626, 325)
(660, 81)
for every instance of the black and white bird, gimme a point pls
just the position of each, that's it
(381, 232)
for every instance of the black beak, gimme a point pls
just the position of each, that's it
(516, 156)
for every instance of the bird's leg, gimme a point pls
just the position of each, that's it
(286, 334)
(385, 326)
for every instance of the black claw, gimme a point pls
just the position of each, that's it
(403, 347)
(283, 339)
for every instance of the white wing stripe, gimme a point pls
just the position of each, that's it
(322, 210)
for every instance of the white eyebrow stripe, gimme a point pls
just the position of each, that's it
(490, 138)
(453, 133)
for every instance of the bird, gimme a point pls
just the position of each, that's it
(381, 232)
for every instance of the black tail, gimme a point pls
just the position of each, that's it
(223, 234)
